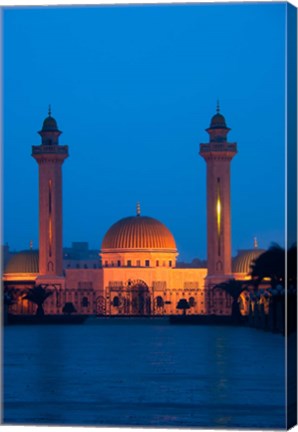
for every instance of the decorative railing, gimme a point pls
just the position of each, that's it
(220, 147)
(42, 149)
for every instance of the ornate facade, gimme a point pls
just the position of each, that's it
(138, 275)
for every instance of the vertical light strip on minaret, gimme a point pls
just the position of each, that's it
(50, 219)
(218, 214)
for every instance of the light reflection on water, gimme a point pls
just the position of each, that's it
(142, 374)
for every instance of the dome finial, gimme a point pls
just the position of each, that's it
(31, 244)
(256, 243)
(217, 106)
(138, 209)
(49, 111)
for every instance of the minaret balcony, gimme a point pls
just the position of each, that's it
(50, 149)
(218, 147)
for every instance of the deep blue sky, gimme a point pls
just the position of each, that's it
(133, 89)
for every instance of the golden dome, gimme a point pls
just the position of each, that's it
(139, 233)
(23, 262)
(242, 262)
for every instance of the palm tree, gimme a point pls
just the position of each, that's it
(270, 264)
(38, 295)
(233, 288)
(183, 304)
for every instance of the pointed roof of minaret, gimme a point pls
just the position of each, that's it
(218, 121)
(50, 124)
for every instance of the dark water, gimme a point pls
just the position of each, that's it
(143, 372)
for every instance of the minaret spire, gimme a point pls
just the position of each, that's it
(217, 106)
(138, 209)
(256, 243)
(49, 110)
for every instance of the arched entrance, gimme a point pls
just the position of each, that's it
(138, 298)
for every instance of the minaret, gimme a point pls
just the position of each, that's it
(50, 156)
(218, 154)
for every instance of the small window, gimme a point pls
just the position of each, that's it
(159, 302)
(94, 266)
(147, 263)
(192, 301)
(129, 263)
(170, 263)
(119, 263)
(85, 302)
(85, 266)
(78, 265)
(157, 263)
(106, 264)
(116, 301)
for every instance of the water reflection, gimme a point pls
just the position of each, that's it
(143, 375)
(48, 378)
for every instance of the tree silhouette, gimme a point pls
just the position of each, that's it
(38, 295)
(68, 308)
(183, 304)
(233, 288)
(8, 300)
(292, 265)
(271, 265)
